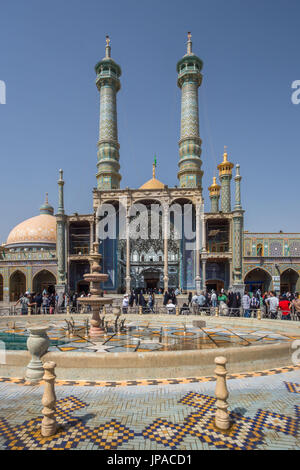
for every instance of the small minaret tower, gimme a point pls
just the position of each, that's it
(237, 236)
(225, 175)
(61, 238)
(189, 79)
(214, 195)
(108, 83)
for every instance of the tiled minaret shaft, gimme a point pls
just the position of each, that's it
(108, 83)
(61, 228)
(225, 175)
(238, 227)
(189, 79)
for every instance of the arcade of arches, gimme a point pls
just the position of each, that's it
(258, 278)
(17, 284)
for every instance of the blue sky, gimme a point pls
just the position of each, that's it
(250, 51)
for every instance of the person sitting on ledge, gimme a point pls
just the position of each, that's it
(171, 308)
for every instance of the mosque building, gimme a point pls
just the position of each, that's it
(52, 251)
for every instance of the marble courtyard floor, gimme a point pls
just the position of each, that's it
(174, 414)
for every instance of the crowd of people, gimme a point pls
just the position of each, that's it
(230, 303)
(45, 303)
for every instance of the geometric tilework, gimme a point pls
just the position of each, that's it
(276, 421)
(184, 421)
(71, 431)
(292, 387)
(164, 432)
(173, 381)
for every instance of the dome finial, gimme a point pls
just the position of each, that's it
(154, 167)
(225, 154)
(189, 43)
(107, 48)
(46, 208)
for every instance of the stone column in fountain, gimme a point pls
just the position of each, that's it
(95, 300)
(61, 242)
(222, 416)
(108, 83)
(49, 425)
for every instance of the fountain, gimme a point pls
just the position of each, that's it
(95, 300)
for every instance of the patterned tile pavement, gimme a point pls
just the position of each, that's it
(139, 336)
(179, 414)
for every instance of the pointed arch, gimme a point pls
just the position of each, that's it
(17, 285)
(44, 280)
(258, 278)
(289, 280)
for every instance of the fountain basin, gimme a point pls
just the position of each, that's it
(86, 365)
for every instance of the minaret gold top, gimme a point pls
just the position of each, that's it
(107, 48)
(225, 168)
(189, 43)
(214, 189)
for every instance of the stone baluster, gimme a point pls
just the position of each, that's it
(258, 314)
(37, 344)
(49, 425)
(222, 420)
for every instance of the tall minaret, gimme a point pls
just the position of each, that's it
(214, 195)
(108, 83)
(225, 175)
(61, 240)
(189, 79)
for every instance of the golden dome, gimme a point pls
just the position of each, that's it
(38, 229)
(153, 183)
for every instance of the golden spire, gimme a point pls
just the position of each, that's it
(225, 168)
(214, 189)
(189, 43)
(107, 48)
(153, 171)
